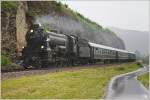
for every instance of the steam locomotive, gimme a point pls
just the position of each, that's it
(46, 48)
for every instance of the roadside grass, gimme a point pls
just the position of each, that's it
(144, 79)
(90, 83)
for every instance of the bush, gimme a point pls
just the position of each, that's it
(9, 4)
(139, 63)
(66, 5)
(120, 68)
(7, 64)
(46, 27)
(5, 60)
(10, 67)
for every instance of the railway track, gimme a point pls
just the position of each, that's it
(24, 72)
(52, 67)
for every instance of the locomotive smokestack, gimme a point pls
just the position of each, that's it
(37, 25)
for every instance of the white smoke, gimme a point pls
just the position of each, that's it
(83, 29)
(61, 23)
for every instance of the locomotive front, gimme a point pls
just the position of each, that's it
(35, 39)
(44, 47)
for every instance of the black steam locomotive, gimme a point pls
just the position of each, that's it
(52, 48)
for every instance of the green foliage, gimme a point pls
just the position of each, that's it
(5, 60)
(44, 7)
(144, 79)
(66, 5)
(46, 27)
(10, 67)
(120, 68)
(7, 64)
(108, 30)
(59, 4)
(88, 20)
(59, 8)
(9, 4)
(90, 83)
(75, 15)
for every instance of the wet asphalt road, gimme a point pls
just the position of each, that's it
(127, 87)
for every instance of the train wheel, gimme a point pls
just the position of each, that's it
(25, 63)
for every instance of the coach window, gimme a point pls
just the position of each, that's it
(103, 51)
(99, 51)
(107, 51)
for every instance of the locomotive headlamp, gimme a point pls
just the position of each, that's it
(42, 47)
(31, 31)
(47, 39)
(40, 24)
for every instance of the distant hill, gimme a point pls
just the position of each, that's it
(134, 40)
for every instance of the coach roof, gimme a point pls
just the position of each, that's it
(107, 47)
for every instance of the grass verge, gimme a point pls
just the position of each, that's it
(144, 79)
(88, 83)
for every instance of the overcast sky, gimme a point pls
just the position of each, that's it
(132, 15)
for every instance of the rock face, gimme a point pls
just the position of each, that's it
(52, 15)
(8, 30)
(21, 25)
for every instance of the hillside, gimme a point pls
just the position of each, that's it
(17, 17)
(134, 40)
